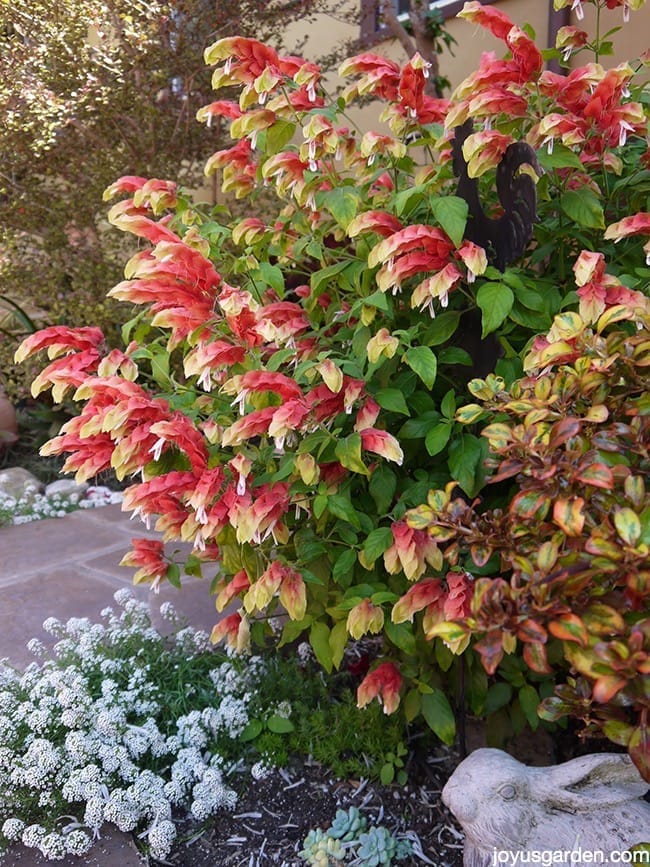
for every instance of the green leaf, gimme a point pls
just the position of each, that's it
(438, 437)
(360, 343)
(559, 158)
(128, 327)
(442, 328)
(466, 456)
(193, 566)
(383, 596)
(412, 704)
(345, 533)
(408, 199)
(530, 298)
(348, 453)
(444, 656)
(477, 689)
(271, 276)
(338, 639)
(320, 279)
(342, 203)
(319, 636)
(383, 484)
(378, 299)
(342, 571)
(342, 508)
(292, 629)
(439, 716)
(495, 301)
(392, 399)
(252, 730)
(533, 320)
(279, 725)
(583, 207)
(448, 405)
(422, 361)
(174, 575)
(499, 695)
(417, 428)
(451, 212)
(308, 546)
(278, 135)
(377, 542)
(160, 366)
(455, 355)
(387, 773)
(279, 358)
(401, 636)
(529, 702)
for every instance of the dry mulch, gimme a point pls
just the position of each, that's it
(274, 815)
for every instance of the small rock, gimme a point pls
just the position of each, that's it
(18, 483)
(66, 487)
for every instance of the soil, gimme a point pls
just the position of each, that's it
(274, 815)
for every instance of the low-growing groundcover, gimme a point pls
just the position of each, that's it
(34, 506)
(292, 393)
(164, 737)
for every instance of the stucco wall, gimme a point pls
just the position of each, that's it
(325, 32)
(631, 40)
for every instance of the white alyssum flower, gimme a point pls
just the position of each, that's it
(169, 613)
(87, 733)
(32, 835)
(33, 505)
(13, 828)
(260, 771)
(210, 795)
(161, 838)
(53, 847)
(77, 842)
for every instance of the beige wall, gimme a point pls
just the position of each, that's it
(325, 32)
(474, 40)
(631, 40)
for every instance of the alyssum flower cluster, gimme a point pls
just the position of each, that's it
(99, 731)
(34, 506)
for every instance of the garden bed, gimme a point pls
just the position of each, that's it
(275, 814)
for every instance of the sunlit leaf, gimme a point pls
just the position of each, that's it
(569, 515)
(439, 716)
(628, 525)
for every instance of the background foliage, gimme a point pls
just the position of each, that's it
(89, 92)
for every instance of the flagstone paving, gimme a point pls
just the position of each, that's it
(69, 567)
